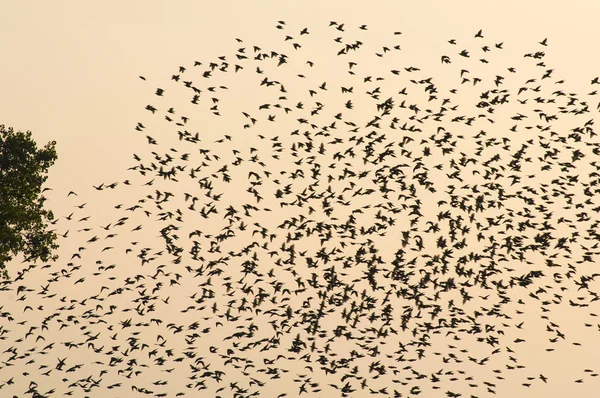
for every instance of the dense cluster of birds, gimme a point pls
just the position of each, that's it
(376, 233)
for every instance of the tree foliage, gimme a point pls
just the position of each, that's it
(23, 218)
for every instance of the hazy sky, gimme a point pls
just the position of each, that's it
(71, 68)
(70, 74)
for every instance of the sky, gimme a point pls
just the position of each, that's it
(72, 69)
(71, 73)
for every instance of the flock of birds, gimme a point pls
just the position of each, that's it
(373, 234)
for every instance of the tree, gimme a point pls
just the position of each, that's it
(23, 218)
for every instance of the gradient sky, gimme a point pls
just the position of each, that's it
(72, 68)
(70, 74)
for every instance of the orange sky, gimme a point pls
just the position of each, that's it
(70, 74)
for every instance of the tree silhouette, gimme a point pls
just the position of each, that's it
(23, 218)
